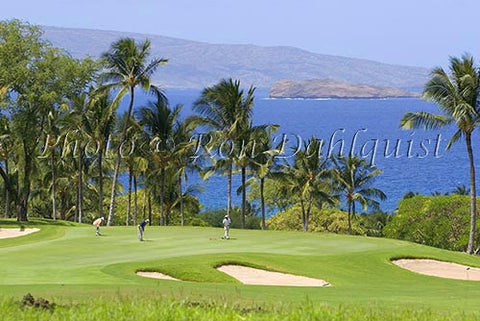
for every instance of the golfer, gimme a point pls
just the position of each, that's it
(97, 223)
(141, 228)
(226, 226)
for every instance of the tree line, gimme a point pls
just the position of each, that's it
(53, 106)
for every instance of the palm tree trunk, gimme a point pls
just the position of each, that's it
(7, 192)
(63, 205)
(244, 196)
(100, 183)
(54, 200)
(262, 202)
(144, 205)
(302, 204)
(80, 185)
(309, 209)
(150, 208)
(129, 196)
(229, 187)
(111, 210)
(473, 196)
(349, 218)
(167, 215)
(24, 191)
(180, 193)
(162, 197)
(135, 203)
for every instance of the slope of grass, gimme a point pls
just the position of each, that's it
(70, 265)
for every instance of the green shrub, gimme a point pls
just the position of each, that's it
(375, 222)
(439, 221)
(324, 220)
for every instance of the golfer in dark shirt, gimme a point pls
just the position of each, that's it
(141, 228)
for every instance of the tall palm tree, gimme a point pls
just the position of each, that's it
(134, 164)
(309, 178)
(52, 131)
(254, 142)
(100, 125)
(183, 153)
(76, 122)
(354, 177)
(225, 109)
(127, 69)
(262, 161)
(6, 152)
(456, 95)
(159, 123)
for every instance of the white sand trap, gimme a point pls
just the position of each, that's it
(440, 269)
(248, 275)
(6, 233)
(156, 275)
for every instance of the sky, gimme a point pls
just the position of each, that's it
(408, 32)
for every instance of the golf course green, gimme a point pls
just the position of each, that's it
(66, 263)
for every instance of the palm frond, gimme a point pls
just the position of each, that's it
(423, 119)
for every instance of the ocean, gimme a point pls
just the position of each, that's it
(414, 161)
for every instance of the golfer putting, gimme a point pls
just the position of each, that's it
(97, 223)
(141, 228)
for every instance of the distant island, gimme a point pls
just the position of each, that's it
(328, 88)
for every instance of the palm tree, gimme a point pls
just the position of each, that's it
(6, 152)
(456, 95)
(133, 136)
(101, 118)
(52, 131)
(225, 109)
(461, 190)
(135, 162)
(77, 121)
(127, 69)
(262, 161)
(254, 152)
(354, 177)
(159, 123)
(309, 179)
(183, 151)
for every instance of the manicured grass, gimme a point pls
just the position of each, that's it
(71, 266)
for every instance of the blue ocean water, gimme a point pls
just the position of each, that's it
(410, 160)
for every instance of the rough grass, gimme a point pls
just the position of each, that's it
(70, 265)
(155, 308)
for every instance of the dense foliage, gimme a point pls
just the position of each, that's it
(329, 220)
(439, 221)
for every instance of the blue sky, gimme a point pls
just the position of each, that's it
(411, 32)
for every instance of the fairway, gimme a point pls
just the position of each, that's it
(68, 263)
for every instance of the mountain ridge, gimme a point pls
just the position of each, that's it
(195, 64)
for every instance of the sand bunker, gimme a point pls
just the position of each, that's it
(12, 232)
(440, 269)
(156, 275)
(248, 275)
